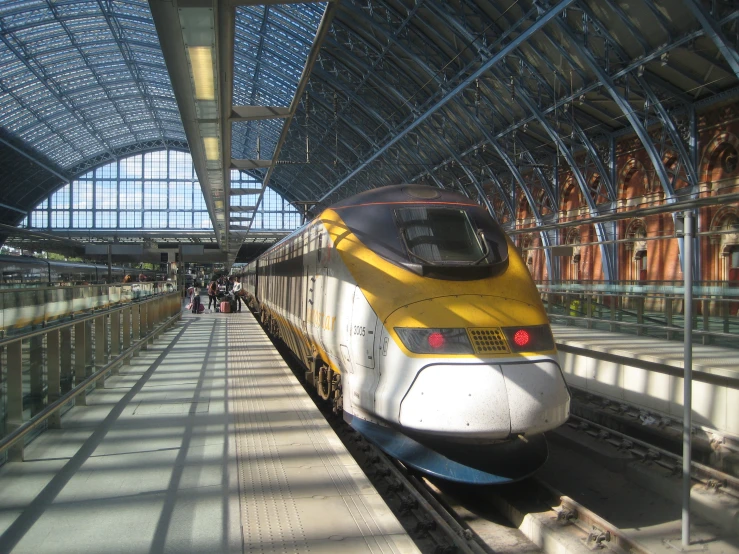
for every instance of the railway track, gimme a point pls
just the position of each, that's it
(531, 516)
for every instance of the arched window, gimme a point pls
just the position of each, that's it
(157, 190)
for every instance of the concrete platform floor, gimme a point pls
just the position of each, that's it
(205, 443)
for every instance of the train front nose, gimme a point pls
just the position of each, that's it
(486, 400)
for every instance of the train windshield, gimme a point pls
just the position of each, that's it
(439, 235)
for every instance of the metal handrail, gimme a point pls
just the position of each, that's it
(25, 288)
(22, 430)
(674, 328)
(58, 326)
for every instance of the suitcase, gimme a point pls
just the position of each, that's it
(225, 307)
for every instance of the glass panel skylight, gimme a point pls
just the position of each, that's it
(267, 67)
(82, 79)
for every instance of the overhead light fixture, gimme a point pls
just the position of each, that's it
(201, 61)
(211, 149)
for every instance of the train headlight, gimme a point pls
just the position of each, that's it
(435, 341)
(529, 339)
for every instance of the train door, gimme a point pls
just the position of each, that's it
(307, 299)
(313, 289)
(362, 345)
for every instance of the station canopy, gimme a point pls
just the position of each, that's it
(323, 100)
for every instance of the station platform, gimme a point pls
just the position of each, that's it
(206, 442)
(647, 372)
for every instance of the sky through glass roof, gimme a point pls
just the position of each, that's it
(267, 67)
(85, 78)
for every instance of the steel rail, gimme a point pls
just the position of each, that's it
(587, 519)
(699, 472)
(678, 206)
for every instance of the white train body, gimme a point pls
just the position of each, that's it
(422, 354)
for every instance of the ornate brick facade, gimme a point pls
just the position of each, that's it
(647, 249)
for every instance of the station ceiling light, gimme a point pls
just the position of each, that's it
(201, 62)
(212, 149)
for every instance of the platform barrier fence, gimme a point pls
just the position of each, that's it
(46, 372)
(27, 309)
(654, 310)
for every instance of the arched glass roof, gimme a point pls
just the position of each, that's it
(154, 191)
(84, 80)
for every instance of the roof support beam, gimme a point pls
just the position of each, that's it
(712, 29)
(669, 125)
(585, 54)
(545, 18)
(34, 159)
(167, 22)
(255, 113)
(321, 32)
(244, 165)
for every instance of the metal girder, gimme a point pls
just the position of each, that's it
(249, 164)
(606, 258)
(522, 93)
(101, 85)
(255, 113)
(124, 151)
(712, 29)
(507, 200)
(321, 32)
(35, 160)
(667, 122)
(509, 47)
(52, 87)
(226, 27)
(257, 69)
(365, 108)
(624, 106)
(43, 121)
(481, 127)
(268, 2)
(167, 23)
(244, 192)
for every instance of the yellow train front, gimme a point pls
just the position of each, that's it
(415, 315)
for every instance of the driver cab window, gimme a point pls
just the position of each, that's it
(439, 235)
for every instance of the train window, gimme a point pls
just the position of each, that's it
(439, 235)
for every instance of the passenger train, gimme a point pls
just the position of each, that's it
(27, 271)
(415, 316)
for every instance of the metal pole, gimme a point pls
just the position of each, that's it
(110, 265)
(688, 377)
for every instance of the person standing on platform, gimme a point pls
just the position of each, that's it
(212, 292)
(237, 292)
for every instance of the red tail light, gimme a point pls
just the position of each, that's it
(536, 338)
(436, 340)
(521, 337)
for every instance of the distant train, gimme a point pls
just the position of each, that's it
(22, 271)
(415, 316)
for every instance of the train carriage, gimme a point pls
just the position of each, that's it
(415, 315)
